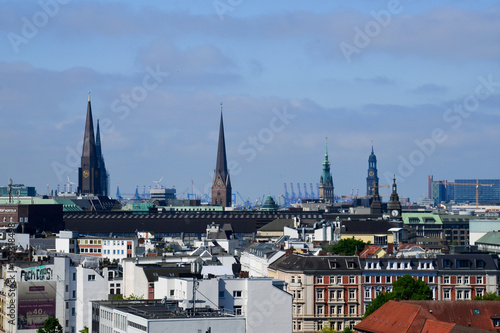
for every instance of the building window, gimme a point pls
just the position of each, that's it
(377, 279)
(299, 294)
(74, 293)
(319, 309)
(388, 279)
(479, 280)
(352, 279)
(339, 279)
(340, 295)
(72, 311)
(466, 294)
(319, 294)
(320, 325)
(466, 280)
(479, 292)
(368, 293)
(299, 309)
(352, 309)
(352, 293)
(459, 294)
(74, 276)
(237, 310)
(339, 309)
(446, 280)
(319, 279)
(91, 277)
(459, 280)
(446, 294)
(367, 279)
(431, 279)
(299, 326)
(237, 293)
(292, 279)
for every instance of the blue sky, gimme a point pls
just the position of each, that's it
(420, 79)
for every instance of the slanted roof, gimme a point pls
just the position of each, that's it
(474, 313)
(316, 264)
(277, 225)
(370, 250)
(388, 318)
(432, 316)
(490, 238)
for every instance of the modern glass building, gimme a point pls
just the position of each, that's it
(488, 191)
(18, 191)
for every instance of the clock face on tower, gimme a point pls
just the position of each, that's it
(371, 173)
(395, 212)
(86, 174)
(219, 183)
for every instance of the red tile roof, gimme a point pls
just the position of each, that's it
(432, 317)
(369, 250)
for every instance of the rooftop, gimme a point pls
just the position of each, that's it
(158, 309)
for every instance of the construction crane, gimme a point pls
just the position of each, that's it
(294, 197)
(476, 184)
(182, 195)
(287, 197)
(313, 196)
(306, 195)
(300, 193)
(118, 196)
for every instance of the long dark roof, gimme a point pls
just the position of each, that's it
(120, 222)
(317, 264)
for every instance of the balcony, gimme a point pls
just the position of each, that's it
(295, 284)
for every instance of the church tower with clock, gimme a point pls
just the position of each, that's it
(89, 173)
(221, 187)
(326, 181)
(372, 178)
(394, 205)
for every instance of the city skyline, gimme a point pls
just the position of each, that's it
(421, 80)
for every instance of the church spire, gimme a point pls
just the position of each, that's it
(88, 136)
(326, 180)
(89, 175)
(100, 162)
(221, 188)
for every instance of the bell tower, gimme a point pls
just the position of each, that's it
(89, 173)
(221, 187)
(326, 180)
(372, 178)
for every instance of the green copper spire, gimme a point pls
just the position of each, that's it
(326, 177)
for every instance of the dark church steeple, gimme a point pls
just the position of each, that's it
(394, 206)
(89, 174)
(326, 180)
(372, 177)
(376, 205)
(100, 162)
(221, 187)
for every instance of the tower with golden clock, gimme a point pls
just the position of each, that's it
(221, 187)
(372, 178)
(89, 173)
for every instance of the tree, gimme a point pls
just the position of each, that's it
(404, 288)
(134, 297)
(51, 325)
(85, 329)
(491, 296)
(347, 246)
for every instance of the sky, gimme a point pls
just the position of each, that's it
(418, 79)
